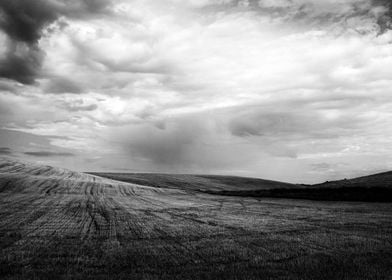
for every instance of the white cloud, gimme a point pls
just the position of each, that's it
(216, 86)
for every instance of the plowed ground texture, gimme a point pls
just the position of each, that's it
(59, 224)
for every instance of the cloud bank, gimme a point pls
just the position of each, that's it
(294, 90)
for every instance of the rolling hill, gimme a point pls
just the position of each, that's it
(60, 224)
(379, 180)
(377, 187)
(201, 183)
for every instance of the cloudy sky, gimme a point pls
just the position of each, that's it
(292, 90)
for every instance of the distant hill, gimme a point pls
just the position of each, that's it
(379, 180)
(204, 183)
(18, 176)
(373, 188)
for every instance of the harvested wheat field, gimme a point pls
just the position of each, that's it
(59, 224)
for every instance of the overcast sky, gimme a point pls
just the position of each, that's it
(292, 90)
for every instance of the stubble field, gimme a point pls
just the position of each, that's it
(58, 224)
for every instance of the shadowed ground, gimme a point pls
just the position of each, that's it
(55, 223)
(373, 188)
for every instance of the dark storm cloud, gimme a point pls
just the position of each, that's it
(22, 63)
(49, 154)
(24, 22)
(385, 20)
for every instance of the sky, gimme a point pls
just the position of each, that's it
(291, 90)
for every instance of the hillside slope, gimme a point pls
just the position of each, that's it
(25, 177)
(379, 180)
(60, 224)
(195, 182)
(374, 188)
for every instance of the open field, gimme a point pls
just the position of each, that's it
(56, 223)
(200, 183)
(376, 188)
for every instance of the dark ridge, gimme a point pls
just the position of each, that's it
(201, 183)
(372, 188)
(376, 194)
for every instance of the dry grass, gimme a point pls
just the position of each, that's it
(199, 183)
(56, 223)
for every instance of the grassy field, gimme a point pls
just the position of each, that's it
(59, 224)
(199, 183)
(373, 188)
